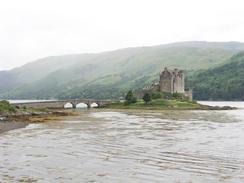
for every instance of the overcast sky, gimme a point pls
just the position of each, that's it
(31, 29)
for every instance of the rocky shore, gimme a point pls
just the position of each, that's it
(11, 118)
(11, 125)
(11, 121)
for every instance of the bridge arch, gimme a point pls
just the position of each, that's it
(69, 105)
(61, 104)
(81, 105)
(94, 104)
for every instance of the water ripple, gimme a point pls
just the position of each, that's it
(184, 146)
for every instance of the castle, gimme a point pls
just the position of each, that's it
(170, 81)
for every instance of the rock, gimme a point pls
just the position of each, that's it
(222, 108)
(228, 108)
(2, 118)
(38, 113)
(25, 113)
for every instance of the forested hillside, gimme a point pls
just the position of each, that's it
(222, 83)
(110, 74)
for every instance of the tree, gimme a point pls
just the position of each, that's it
(177, 96)
(130, 98)
(147, 98)
(156, 95)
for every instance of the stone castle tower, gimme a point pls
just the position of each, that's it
(172, 81)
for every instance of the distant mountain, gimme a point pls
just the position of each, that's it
(238, 46)
(109, 74)
(221, 83)
(7, 81)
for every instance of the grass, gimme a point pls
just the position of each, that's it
(5, 106)
(158, 104)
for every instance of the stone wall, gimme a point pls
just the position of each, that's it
(178, 81)
(172, 81)
(166, 81)
(189, 94)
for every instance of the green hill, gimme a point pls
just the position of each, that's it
(222, 83)
(109, 74)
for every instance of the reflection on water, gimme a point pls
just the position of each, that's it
(108, 146)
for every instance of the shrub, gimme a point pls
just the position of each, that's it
(179, 96)
(134, 100)
(156, 95)
(130, 98)
(166, 95)
(176, 96)
(147, 98)
(5, 106)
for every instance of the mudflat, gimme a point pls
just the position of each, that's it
(15, 121)
(11, 125)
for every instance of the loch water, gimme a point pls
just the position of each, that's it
(128, 146)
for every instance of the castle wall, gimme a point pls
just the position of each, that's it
(179, 83)
(166, 83)
(172, 81)
(189, 94)
(183, 83)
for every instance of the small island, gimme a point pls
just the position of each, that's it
(168, 94)
(149, 103)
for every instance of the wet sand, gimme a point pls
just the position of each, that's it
(13, 122)
(11, 125)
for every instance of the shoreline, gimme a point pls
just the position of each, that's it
(160, 104)
(10, 122)
(211, 108)
(11, 125)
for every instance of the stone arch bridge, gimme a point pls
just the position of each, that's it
(60, 104)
